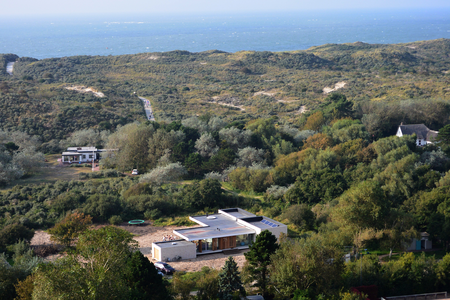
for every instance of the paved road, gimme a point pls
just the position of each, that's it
(9, 68)
(148, 109)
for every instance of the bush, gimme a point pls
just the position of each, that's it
(11, 234)
(115, 220)
(152, 214)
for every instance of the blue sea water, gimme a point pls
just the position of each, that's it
(56, 36)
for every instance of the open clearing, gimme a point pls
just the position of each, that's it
(51, 172)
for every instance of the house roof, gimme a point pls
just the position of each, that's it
(422, 131)
(228, 222)
(214, 226)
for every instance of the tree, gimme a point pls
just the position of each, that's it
(259, 259)
(67, 231)
(102, 207)
(235, 137)
(314, 121)
(249, 155)
(13, 233)
(171, 172)
(96, 269)
(131, 142)
(144, 280)
(300, 215)
(318, 141)
(206, 145)
(308, 265)
(229, 280)
(362, 206)
(24, 263)
(444, 135)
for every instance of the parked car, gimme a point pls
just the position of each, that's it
(164, 267)
(134, 172)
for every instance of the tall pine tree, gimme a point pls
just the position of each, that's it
(230, 280)
(259, 259)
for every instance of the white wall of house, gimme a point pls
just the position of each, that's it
(162, 252)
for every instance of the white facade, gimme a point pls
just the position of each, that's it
(171, 250)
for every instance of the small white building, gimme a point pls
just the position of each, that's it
(82, 154)
(423, 244)
(229, 229)
(424, 134)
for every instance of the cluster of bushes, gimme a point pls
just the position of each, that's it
(110, 200)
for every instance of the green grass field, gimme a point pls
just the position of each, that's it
(51, 172)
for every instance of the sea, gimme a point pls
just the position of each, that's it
(59, 36)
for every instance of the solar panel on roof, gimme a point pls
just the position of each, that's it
(270, 223)
(274, 225)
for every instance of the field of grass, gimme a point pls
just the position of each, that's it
(51, 172)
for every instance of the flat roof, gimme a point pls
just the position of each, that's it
(82, 149)
(72, 153)
(264, 223)
(173, 244)
(238, 213)
(215, 226)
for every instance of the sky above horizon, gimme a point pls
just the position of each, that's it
(100, 7)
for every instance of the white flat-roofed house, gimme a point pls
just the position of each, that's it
(231, 228)
(82, 154)
(424, 134)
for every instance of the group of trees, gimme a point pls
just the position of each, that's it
(18, 155)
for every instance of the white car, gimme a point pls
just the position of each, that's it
(134, 172)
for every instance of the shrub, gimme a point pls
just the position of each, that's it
(115, 220)
(11, 234)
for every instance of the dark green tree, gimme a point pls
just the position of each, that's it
(444, 134)
(11, 234)
(230, 280)
(259, 259)
(144, 280)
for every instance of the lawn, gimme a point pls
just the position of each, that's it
(51, 172)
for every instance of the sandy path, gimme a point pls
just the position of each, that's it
(9, 68)
(145, 236)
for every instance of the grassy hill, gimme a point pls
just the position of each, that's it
(241, 85)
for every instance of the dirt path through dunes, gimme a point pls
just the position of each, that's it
(9, 68)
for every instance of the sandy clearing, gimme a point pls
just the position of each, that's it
(145, 236)
(231, 105)
(263, 93)
(302, 109)
(83, 89)
(10, 68)
(337, 86)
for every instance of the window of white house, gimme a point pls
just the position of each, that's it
(84, 156)
(90, 155)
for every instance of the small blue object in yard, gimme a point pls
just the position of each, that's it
(136, 222)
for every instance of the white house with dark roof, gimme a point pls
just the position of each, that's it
(424, 134)
(229, 229)
(82, 154)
